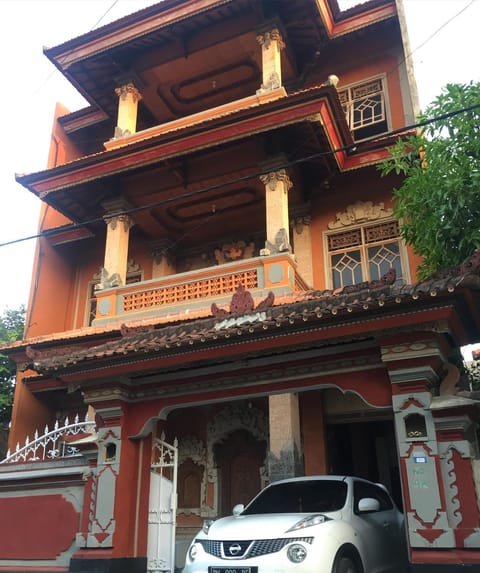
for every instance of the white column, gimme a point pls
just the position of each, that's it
(272, 45)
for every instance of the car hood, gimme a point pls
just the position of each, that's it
(260, 526)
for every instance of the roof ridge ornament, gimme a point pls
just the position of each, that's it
(241, 303)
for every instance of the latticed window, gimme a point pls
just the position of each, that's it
(364, 253)
(365, 108)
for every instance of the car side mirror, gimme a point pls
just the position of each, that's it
(237, 509)
(368, 504)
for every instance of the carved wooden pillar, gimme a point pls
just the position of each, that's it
(163, 259)
(272, 44)
(303, 247)
(128, 98)
(114, 272)
(277, 185)
(285, 458)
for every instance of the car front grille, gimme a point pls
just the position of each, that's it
(247, 549)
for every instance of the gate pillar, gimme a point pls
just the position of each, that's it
(413, 366)
(113, 533)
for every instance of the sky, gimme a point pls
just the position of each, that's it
(444, 43)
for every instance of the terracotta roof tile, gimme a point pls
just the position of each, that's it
(311, 306)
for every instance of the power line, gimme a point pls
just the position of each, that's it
(51, 74)
(258, 173)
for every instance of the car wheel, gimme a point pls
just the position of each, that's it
(345, 564)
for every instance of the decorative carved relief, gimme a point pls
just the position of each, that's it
(360, 212)
(242, 302)
(162, 249)
(281, 244)
(113, 220)
(128, 89)
(192, 461)
(234, 251)
(299, 223)
(265, 39)
(233, 417)
(273, 82)
(451, 489)
(108, 281)
(190, 447)
(271, 179)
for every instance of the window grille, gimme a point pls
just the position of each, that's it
(365, 108)
(365, 253)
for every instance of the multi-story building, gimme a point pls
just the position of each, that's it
(220, 292)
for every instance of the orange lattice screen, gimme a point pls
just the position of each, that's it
(204, 288)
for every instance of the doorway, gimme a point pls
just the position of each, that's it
(365, 449)
(239, 459)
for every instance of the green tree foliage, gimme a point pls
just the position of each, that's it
(438, 203)
(11, 328)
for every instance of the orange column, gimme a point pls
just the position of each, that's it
(277, 185)
(128, 98)
(115, 264)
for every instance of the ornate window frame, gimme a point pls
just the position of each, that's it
(359, 218)
(354, 98)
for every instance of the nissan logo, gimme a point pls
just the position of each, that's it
(234, 549)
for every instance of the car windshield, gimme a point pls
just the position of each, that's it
(313, 496)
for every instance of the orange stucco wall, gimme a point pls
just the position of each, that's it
(353, 187)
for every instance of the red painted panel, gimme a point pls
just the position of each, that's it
(36, 527)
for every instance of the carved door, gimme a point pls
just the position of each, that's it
(239, 459)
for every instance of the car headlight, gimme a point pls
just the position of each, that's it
(206, 525)
(296, 552)
(193, 551)
(308, 522)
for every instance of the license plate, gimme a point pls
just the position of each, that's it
(232, 569)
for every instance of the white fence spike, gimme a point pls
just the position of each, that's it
(49, 445)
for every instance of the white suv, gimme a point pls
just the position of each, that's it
(315, 524)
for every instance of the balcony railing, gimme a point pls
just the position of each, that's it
(192, 293)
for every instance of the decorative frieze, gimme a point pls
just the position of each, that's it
(234, 251)
(360, 212)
